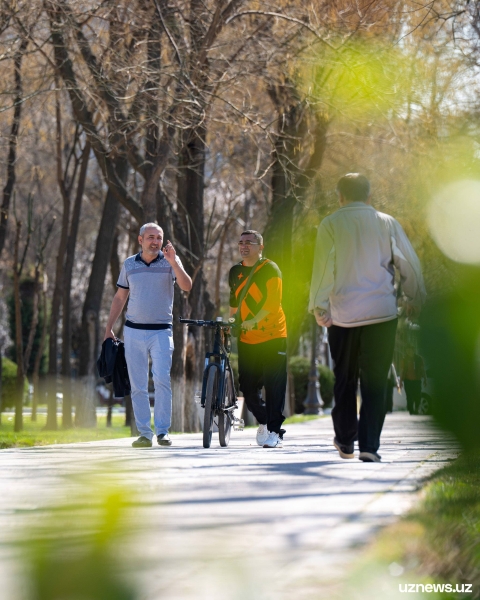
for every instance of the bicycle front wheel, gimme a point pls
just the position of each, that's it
(225, 418)
(210, 401)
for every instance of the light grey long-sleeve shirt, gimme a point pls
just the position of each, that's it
(357, 251)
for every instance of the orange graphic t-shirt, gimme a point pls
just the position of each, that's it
(265, 292)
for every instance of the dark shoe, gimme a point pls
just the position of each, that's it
(369, 457)
(343, 450)
(142, 442)
(164, 440)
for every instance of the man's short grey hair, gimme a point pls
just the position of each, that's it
(147, 226)
(258, 236)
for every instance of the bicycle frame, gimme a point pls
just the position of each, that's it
(216, 384)
(217, 359)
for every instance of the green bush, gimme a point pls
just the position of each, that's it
(9, 382)
(327, 381)
(300, 368)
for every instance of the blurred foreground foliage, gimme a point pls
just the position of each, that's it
(450, 342)
(79, 560)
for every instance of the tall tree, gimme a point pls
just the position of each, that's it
(17, 270)
(293, 173)
(65, 187)
(18, 265)
(13, 141)
(67, 286)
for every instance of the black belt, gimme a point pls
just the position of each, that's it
(150, 326)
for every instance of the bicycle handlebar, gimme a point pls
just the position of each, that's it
(202, 323)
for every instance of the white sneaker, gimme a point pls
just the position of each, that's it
(262, 434)
(273, 440)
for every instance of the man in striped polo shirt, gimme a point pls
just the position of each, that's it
(147, 281)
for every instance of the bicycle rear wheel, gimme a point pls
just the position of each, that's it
(225, 418)
(210, 401)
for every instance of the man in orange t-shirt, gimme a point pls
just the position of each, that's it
(262, 345)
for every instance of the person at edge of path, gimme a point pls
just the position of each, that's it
(412, 372)
(353, 294)
(147, 280)
(262, 344)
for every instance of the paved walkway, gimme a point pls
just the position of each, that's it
(239, 522)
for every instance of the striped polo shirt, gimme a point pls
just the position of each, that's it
(150, 301)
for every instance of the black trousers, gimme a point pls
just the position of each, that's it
(264, 365)
(413, 391)
(364, 352)
(389, 397)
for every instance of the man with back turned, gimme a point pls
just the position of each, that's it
(353, 294)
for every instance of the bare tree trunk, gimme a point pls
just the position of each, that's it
(89, 346)
(67, 288)
(85, 413)
(96, 284)
(109, 414)
(218, 274)
(1, 372)
(34, 323)
(59, 270)
(41, 350)
(291, 131)
(129, 417)
(290, 186)
(51, 394)
(115, 262)
(115, 268)
(12, 145)
(190, 189)
(50, 390)
(180, 333)
(18, 334)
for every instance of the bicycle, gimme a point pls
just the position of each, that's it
(218, 396)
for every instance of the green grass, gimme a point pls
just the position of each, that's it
(301, 419)
(437, 542)
(33, 434)
(293, 419)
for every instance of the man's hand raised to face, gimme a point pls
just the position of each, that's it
(184, 281)
(169, 252)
